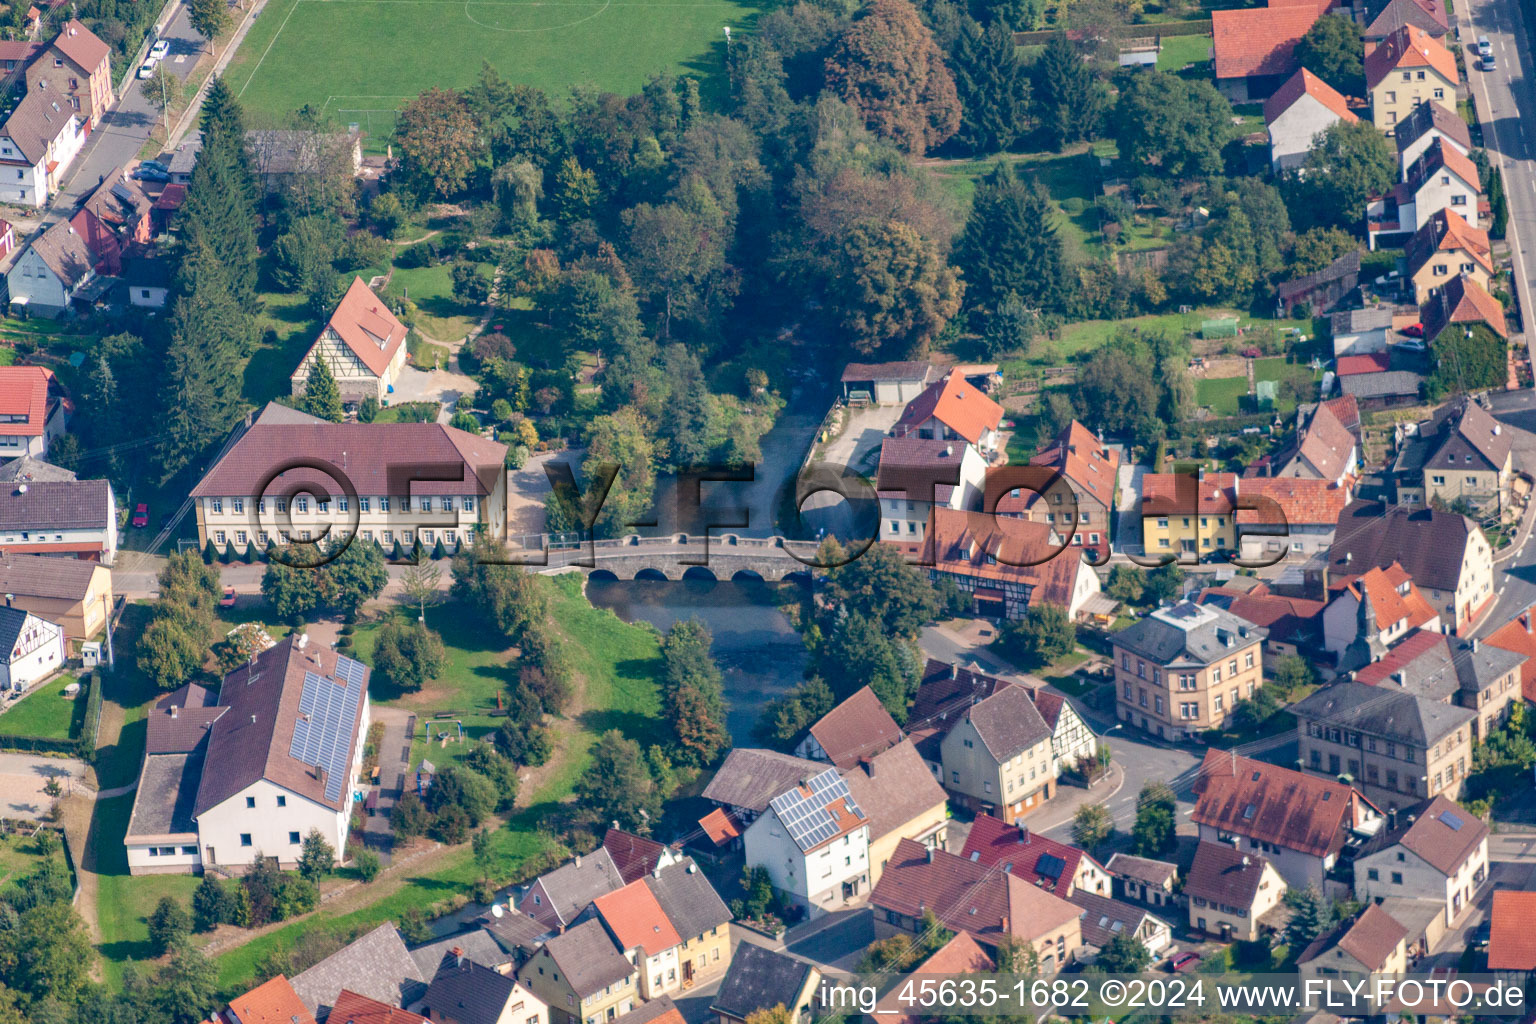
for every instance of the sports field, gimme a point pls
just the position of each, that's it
(361, 60)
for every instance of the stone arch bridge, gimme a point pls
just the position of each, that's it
(683, 556)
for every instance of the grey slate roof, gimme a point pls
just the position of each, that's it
(751, 777)
(66, 579)
(1432, 117)
(573, 886)
(477, 944)
(1428, 831)
(687, 898)
(162, 804)
(48, 505)
(27, 469)
(1008, 723)
(1354, 321)
(759, 979)
(1142, 869)
(1478, 668)
(1223, 875)
(1389, 384)
(468, 993)
(588, 957)
(1188, 634)
(37, 121)
(1383, 711)
(515, 931)
(1104, 918)
(376, 965)
(11, 622)
(64, 252)
(893, 787)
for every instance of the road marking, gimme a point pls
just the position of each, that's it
(181, 58)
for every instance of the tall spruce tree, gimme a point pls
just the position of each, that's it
(993, 85)
(1069, 99)
(1010, 244)
(322, 397)
(222, 196)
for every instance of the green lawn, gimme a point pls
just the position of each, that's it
(18, 857)
(1223, 394)
(45, 712)
(361, 60)
(124, 902)
(440, 315)
(1181, 50)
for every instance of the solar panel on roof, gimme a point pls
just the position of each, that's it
(1050, 865)
(805, 816)
(1452, 821)
(328, 713)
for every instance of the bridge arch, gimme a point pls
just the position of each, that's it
(746, 576)
(802, 577)
(650, 574)
(700, 572)
(603, 575)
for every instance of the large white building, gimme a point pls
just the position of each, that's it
(31, 648)
(66, 518)
(814, 842)
(38, 142)
(248, 772)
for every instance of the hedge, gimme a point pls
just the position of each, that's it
(1201, 27)
(90, 734)
(82, 746)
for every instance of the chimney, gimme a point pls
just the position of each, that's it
(173, 710)
(1392, 818)
(1476, 641)
(1005, 922)
(1498, 428)
(458, 958)
(930, 855)
(8, 599)
(1349, 556)
(253, 719)
(954, 671)
(577, 860)
(1245, 860)
(949, 450)
(1400, 677)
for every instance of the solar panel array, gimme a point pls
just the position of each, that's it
(328, 710)
(1452, 821)
(806, 816)
(1050, 866)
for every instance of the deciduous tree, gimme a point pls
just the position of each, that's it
(894, 291)
(887, 66)
(617, 786)
(1346, 166)
(1177, 124)
(439, 143)
(1332, 50)
(408, 654)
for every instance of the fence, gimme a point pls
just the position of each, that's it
(91, 733)
(82, 746)
(1198, 27)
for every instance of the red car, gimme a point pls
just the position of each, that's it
(141, 515)
(228, 600)
(1414, 330)
(1184, 962)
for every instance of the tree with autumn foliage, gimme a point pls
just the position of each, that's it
(893, 291)
(888, 68)
(439, 143)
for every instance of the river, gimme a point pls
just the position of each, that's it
(759, 651)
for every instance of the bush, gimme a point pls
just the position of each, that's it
(367, 864)
(466, 422)
(369, 410)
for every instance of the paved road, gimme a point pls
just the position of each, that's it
(1515, 580)
(126, 126)
(1506, 104)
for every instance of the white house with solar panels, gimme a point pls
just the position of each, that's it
(814, 842)
(248, 771)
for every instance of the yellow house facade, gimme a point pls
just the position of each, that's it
(1189, 515)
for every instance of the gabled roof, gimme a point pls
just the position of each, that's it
(1511, 939)
(474, 944)
(468, 993)
(1171, 494)
(922, 468)
(892, 788)
(995, 547)
(1259, 41)
(1447, 231)
(1224, 876)
(1084, 459)
(1305, 83)
(119, 199)
(353, 1008)
(1275, 805)
(1439, 832)
(966, 896)
(24, 392)
(1341, 268)
(1519, 635)
(1429, 543)
(635, 856)
(1423, 656)
(25, 469)
(588, 958)
(687, 898)
(1008, 723)
(1039, 860)
(661, 1010)
(1439, 157)
(1428, 15)
(271, 1003)
(956, 403)
(760, 979)
(55, 505)
(857, 729)
(1142, 869)
(1370, 938)
(1461, 429)
(1301, 500)
(1393, 598)
(66, 579)
(1369, 362)
(750, 777)
(1409, 47)
(1384, 711)
(636, 920)
(81, 46)
(368, 328)
(908, 370)
(1288, 619)
(1434, 117)
(1104, 918)
(818, 811)
(35, 122)
(279, 711)
(1462, 301)
(64, 252)
(567, 890)
(1326, 442)
(378, 459)
(376, 966)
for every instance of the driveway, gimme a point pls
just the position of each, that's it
(394, 758)
(445, 386)
(857, 449)
(23, 776)
(839, 939)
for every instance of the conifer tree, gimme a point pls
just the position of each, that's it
(1010, 245)
(222, 196)
(322, 397)
(1069, 99)
(993, 85)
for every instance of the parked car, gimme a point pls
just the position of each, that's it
(1484, 47)
(141, 515)
(147, 69)
(1411, 345)
(155, 165)
(1490, 62)
(228, 600)
(151, 174)
(161, 48)
(1414, 330)
(1184, 962)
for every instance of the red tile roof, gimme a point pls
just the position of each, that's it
(1020, 852)
(637, 920)
(1393, 598)
(1272, 804)
(1370, 938)
(1305, 83)
(960, 955)
(1462, 301)
(81, 46)
(352, 1008)
(1288, 619)
(721, 826)
(1259, 40)
(957, 404)
(24, 392)
(961, 542)
(967, 897)
(1080, 456)
(635, 856)
(1447, 231)
(368, 328)
(1373, 362)
(1439, 156)
(272, 1003)
(857, 729)
(1302, 501)
(1165, 494)
(1519, 635)
(1409, 47)
(1511, 939)
(1346, 410)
